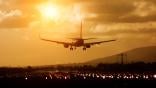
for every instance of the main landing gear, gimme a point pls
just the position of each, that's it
(71, 48)
(84, 49)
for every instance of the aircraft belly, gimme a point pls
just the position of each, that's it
(79, 45)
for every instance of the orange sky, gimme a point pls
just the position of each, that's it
(131, 22)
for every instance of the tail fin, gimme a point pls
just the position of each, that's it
(81, 31)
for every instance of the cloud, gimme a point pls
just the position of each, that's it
(129, 11)
(132, 28)
(126, 31)
(3, 2)
(98, 11)
(13, 13)
(144, 11)
(12, 19)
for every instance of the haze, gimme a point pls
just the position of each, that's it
(131, 22)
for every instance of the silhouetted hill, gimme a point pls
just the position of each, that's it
(143, 54)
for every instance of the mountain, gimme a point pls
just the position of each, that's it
(143, 54)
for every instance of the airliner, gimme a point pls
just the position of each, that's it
(77, 42)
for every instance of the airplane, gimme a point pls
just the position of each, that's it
(78, 42)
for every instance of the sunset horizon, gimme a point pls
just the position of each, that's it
(132, 23)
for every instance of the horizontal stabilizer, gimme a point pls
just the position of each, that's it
(82, 39)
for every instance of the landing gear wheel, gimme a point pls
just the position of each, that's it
(84, 49)
(71, 49)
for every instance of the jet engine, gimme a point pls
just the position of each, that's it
(88, 46)
(66, 45)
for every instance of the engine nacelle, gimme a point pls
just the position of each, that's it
(66, 45)
(88, 46)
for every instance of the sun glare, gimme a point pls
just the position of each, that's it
(53, 12)
(49, 11)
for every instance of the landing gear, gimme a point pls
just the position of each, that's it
(71, 49)
(84, 49)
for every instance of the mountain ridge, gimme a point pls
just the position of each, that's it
(142, 54)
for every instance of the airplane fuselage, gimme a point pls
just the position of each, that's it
(79, 43)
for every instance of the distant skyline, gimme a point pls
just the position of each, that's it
(131, 22)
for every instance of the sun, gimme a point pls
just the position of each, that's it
(49, 11)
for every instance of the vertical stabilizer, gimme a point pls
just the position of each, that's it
(81, 31)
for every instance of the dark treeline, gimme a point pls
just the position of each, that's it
(137, 67)
(116, 67)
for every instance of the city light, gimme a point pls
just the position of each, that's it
(154, 76)
(87, 76)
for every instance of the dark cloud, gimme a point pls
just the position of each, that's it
(109, 7)
(153, 1)
(122, 10)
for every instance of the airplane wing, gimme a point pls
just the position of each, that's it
(94, 43)
(58, 42)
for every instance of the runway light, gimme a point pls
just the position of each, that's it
(84, 77)
(154, 76)
(146, 77)
(112, 77)
(97, 76)
(50, 76)
(26, 78)
(65, 77)
(125, 77)
(103, 77)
